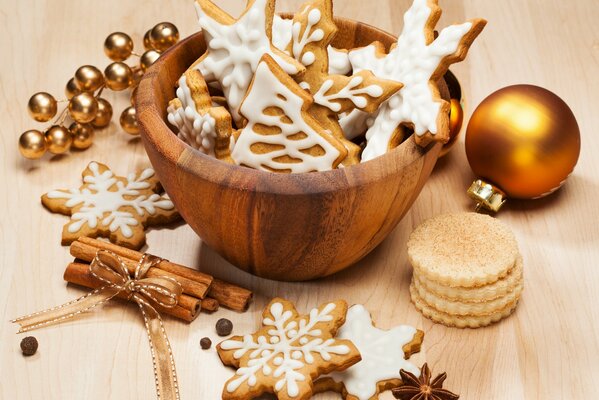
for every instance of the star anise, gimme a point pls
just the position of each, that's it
(422, 388)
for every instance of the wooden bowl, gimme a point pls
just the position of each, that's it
(288, 227)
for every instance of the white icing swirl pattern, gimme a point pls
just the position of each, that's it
(289, 347)
(106, 201)
(412, 62)
(234, 52)
(352, 91)
(381, 350)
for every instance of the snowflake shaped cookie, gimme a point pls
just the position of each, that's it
(288, 352)
(111, 206)
(235, 47)
(418, 60)
(201, 125)
(384, 354)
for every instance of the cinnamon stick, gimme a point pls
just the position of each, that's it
(86, 252)
(209, 305)
(187, 308)
(226, 294)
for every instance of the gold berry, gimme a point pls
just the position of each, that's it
(71, 89)
(42, 107)
(148, 58)
(103, 115)
(138, 73)
(83, 135)
(118, 76)
(133, 95)
(163, 36)
(83, 107)
(147, 41)
(32, 144)
(118, 46)
(129, 122)
(89, 78)
(58, 139)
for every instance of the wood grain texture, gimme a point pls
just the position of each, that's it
(549, 349)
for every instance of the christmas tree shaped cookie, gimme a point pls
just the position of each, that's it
(235, 47)
(204, 127)
(312, 32)
(112, 206)
(280, 134)
(287, 353)
(418, 60)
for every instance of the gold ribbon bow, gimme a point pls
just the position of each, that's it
(164, 291)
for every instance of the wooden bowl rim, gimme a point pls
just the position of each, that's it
(166, 142)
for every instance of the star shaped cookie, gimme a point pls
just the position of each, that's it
(287, 353)
(111, 206)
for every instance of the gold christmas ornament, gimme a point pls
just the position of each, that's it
(147, 41)
(83, 135)
(118, 76)
(32, 144)
(103, 115)
(118, 46)
(133, 94)
(163, 36)
(42, 107)
(129, 122)
(456, 115)
(148, 58)
(523, 142)
(71, 89)
(83, 107)
(138, 73)
(89, 78)
(58, 139)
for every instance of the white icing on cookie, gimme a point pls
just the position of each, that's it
(290, 346)
(309, 35)
(352, 92)
(381, 350)
(268, 91)
(105, 196)
(195, 128)
(412, 62)
(234, 52)
(338, 62)
(282, 36)
(354, 123)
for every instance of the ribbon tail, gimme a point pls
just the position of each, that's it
(66, 311)
(165, 374)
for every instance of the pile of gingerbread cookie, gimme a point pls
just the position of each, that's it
(332, 348)
(273, 94)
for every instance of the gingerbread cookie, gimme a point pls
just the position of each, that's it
(288, 352)
(200, 124)
(418, 60)
(313, 30)
(280, 134)
(111, 206)
(235, 47)
(384, 354)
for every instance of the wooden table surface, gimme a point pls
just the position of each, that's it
(549, 349)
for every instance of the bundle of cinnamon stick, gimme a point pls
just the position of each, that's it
(200, 291)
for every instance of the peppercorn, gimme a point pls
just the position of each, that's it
(29, 346)
(224, 327)
(205, 343)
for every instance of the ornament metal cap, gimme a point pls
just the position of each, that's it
(486, 195)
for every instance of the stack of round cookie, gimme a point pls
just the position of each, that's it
(467, 270)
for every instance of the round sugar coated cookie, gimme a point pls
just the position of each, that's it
(475, 294)
(460, 321)
(463, 249)
(458, 308)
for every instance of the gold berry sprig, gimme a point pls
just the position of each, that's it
(86, 109)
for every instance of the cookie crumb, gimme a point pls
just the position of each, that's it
(224, 327)
(205, 343)
(29, 346)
